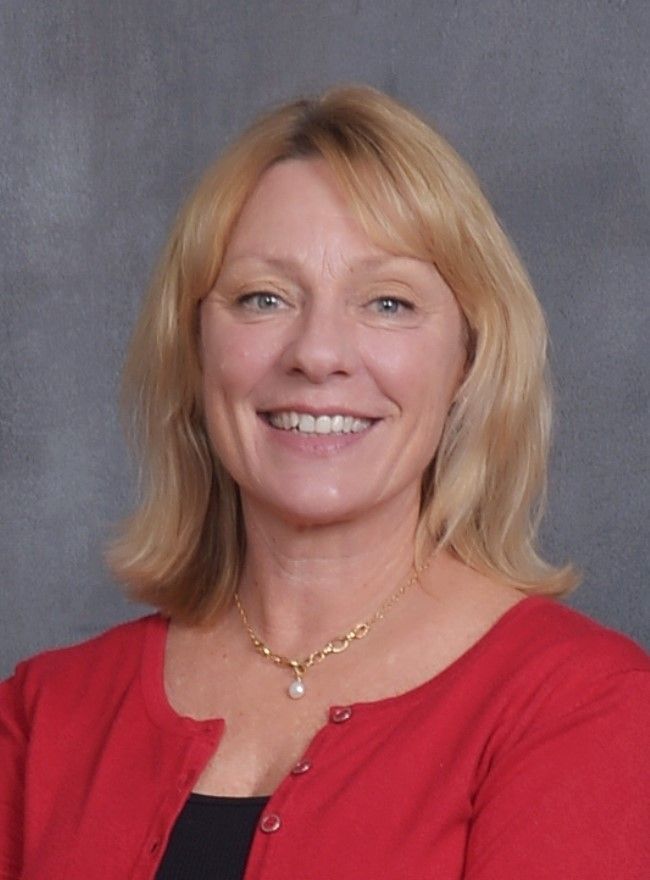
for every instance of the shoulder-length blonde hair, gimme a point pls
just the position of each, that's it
(483, 491)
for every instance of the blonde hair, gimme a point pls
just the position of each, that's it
(483, 492)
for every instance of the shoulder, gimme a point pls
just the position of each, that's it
(520, 637)
(562, 776)
(510, 628)
(549, 631)
(106, 662)
(552, 662)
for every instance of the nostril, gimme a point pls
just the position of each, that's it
(320, 351)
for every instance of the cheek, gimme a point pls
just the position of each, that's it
(420, 372)
(232, 357)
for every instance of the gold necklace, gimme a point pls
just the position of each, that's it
(335, 646)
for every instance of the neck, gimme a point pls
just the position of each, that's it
(303, 585)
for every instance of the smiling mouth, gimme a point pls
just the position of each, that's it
(306, 423)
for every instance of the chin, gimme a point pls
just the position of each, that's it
(317, 509)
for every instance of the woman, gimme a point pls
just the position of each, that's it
(338, 389)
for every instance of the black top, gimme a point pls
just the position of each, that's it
(211, 838)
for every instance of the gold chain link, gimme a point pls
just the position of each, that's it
(336, 645)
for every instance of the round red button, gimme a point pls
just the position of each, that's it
(270, 823)
(340, 714)
(301, 767)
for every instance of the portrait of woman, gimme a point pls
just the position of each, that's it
(356, 663)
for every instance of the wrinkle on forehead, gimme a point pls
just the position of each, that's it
(395, 267)
(284, 197)
(298, 221)
(336, 260)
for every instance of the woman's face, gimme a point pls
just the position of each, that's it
(329, 364)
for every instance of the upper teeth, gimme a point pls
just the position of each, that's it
(308, 424)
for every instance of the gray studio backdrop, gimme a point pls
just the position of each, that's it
(110, 109)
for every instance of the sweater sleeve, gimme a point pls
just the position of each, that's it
(569, 794)
(13, 747)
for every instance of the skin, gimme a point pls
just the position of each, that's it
(329, 336)
(346, 327)
(308, 314)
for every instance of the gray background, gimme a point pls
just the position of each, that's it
(109, 110)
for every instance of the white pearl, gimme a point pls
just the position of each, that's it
(296, 689)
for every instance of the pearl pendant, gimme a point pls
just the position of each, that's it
(296, 689)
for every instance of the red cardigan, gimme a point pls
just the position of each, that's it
(526, 758)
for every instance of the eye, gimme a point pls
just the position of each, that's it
(261, 301)
(391, 305)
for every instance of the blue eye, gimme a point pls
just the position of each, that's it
(391, 305)
(262, 301)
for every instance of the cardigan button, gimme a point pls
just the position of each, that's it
(270, 823)
(339, 714)
(301, 767)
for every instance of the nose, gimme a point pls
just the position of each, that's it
(321, 343)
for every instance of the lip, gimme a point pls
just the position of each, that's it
(334, 410)
(319, 445)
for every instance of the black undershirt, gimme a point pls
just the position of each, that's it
(211, 838)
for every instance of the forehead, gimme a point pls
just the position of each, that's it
(297, 210)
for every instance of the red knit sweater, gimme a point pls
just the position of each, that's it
(526, 758)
